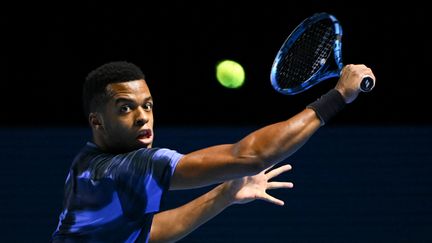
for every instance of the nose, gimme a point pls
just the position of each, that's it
(141, 117)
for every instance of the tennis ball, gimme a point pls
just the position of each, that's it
(230, 74)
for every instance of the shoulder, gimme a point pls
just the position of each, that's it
(148, 158)
(165, 154)
(150, 154)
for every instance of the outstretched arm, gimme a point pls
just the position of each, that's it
(172, 225)
(262, 148)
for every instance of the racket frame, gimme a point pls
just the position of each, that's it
(332, 66)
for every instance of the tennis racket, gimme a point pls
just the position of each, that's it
(312, 53)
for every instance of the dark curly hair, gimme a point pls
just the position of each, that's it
(94, 90)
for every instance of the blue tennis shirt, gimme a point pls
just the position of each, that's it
(113, 197)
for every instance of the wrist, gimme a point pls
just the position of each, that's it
(342, 91)
(328, 105)
(225, 190)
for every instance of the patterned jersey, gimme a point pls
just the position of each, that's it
(113, 197)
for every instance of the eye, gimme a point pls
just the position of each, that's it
(148, 106)
(125, 108)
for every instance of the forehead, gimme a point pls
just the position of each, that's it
(134, 88)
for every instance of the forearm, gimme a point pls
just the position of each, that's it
(174, 224)
(278, 141)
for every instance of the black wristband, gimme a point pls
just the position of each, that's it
(328, 105)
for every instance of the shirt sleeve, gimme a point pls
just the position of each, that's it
(144, 175)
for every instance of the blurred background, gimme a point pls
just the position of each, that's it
(363, 177)
(50, 51)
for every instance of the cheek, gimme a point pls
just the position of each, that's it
(117, 126)
(151, 121)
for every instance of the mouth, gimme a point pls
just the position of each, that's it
(144, 134)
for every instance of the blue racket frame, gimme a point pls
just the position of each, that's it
(324, 71)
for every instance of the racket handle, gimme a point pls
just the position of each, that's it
(367, 84)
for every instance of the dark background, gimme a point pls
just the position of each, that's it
(364, 177)
(50, 49)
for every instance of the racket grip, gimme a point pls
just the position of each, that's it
(367, 84)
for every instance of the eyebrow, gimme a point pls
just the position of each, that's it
(126, 100)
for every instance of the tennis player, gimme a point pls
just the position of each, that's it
(115, 183)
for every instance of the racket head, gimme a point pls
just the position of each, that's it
(309, 55)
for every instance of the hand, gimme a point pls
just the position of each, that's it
(250, 188)
(350, 79)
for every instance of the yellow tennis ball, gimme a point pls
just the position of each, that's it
(230, 74)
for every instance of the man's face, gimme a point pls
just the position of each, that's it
(127, 117)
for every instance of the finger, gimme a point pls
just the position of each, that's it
(277, 185)
(273, 200)
(278, 171)
(269, 169)
(346, 68)
(370, 73)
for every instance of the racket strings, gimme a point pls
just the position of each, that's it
(307, 54)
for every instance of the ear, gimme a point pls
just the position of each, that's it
(96, 121)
